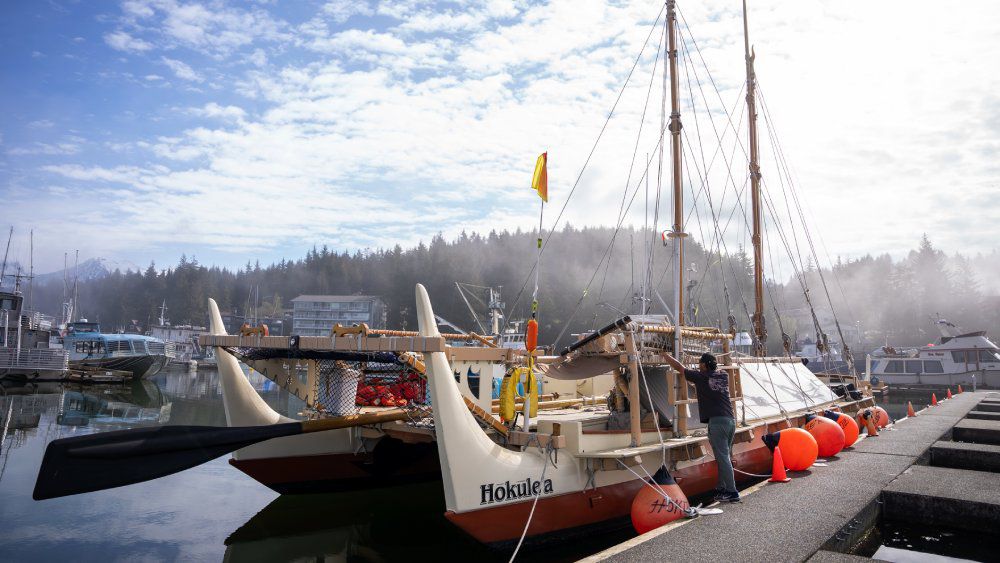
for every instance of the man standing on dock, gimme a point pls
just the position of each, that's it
(716, 410)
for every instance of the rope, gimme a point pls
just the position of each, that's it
(688, 512)
(751, 474)
(534, 503)
(589, 155)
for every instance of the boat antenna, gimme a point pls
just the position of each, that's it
(31, 267)
(759, 328)
(76, 287)
(3, 269)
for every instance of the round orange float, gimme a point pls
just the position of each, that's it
(881, 417)
(828, 434)
(847, 424)
(650, 510)
(798, 447)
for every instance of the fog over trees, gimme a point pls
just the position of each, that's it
(875, 298)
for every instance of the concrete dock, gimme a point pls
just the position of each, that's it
(824, 512)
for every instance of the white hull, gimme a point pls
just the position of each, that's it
(244, 407)
(987, 378)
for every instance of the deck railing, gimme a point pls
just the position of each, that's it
(34, 359)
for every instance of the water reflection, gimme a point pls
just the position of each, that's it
(213, 511)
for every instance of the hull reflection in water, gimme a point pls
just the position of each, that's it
(388, 524)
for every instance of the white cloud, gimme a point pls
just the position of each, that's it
(122, 41)
(45, 149)
(153, 77)
(182, 70)
(215, 110)
(340, 10)
(444, 112)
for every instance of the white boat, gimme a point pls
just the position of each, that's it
(958, 358)
(490, 487)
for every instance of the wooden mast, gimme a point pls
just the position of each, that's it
(759, 328)
(677, 233)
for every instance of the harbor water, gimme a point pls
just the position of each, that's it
(215, 512)
(211, 512)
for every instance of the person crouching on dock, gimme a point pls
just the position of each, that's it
(716, 410)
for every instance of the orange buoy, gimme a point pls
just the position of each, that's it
(828, 434)
(948, 396)
(881, 417)
(531, 335)
(650, 509)
(798, 447)
(847, 424)
(933, 399)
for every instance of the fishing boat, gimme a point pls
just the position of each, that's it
(89, 348)
(25, 351)
(957, 358)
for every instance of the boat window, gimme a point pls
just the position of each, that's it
(933, 366)
(894, 366)
(89, 347)
(913, 366)
(988, 356)
(958, 356)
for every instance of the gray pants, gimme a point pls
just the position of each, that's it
(721, 430)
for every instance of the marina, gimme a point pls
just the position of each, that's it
(534, 281)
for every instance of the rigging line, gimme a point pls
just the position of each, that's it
(719, 146)
(712, 80)
(701, 230)
(793, 189)
(628, 180)
(812, 247)
(706, 166)
(586, 162)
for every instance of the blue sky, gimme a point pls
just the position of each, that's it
(236, 131)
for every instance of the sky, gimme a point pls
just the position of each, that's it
(236, 131)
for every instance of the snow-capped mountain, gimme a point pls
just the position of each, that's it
(92, 269)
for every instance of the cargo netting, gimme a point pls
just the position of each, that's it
(348, 386)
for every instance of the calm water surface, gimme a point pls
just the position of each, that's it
(212, 512)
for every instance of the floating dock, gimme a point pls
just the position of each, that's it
(938, 467)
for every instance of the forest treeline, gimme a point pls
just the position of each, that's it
(587, 278)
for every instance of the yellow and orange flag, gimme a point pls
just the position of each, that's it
(540, 180)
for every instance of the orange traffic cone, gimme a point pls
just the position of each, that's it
(959, 387)
(778, 468)
(909, 409)
(933, 399)
(948, 396)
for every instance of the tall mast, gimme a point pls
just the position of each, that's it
(677, 233)
(759, 329)
(3, 269)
